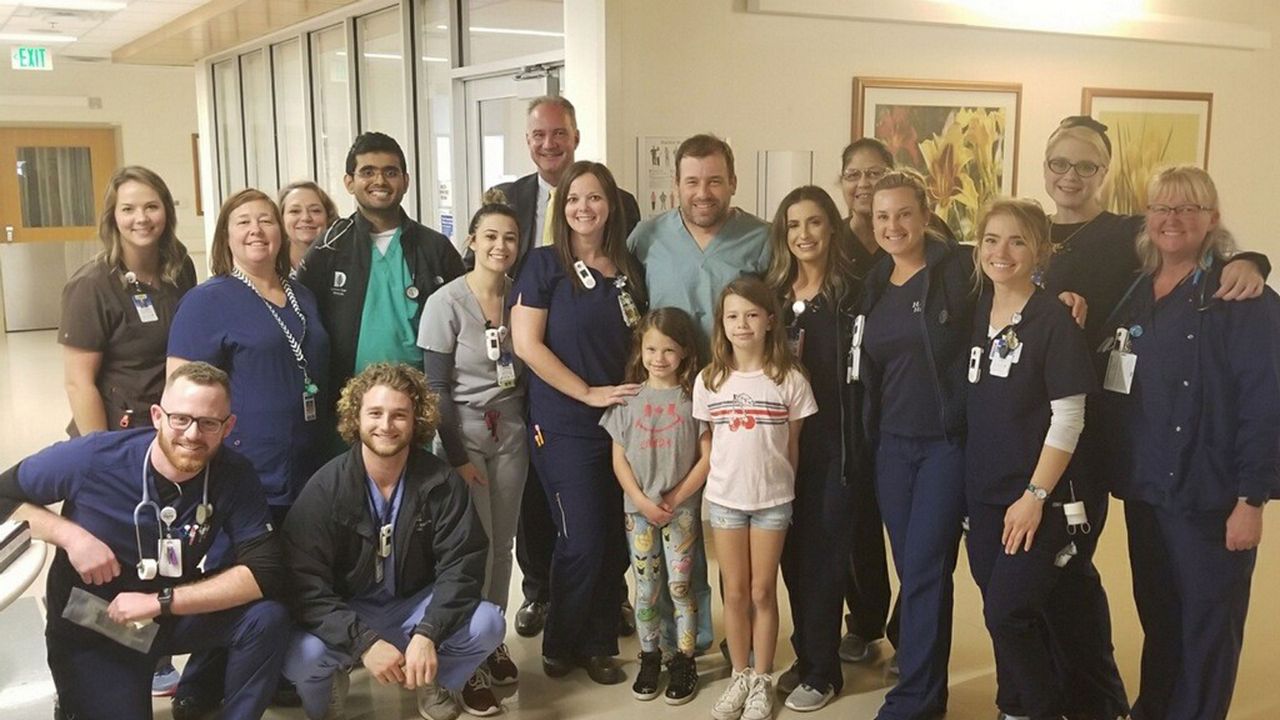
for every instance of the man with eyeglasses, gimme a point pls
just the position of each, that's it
(372, 272)
(140, 509)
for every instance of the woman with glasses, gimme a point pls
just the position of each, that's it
(1092, 263)
(1192, 423)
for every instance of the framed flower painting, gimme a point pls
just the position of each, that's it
(962, 136)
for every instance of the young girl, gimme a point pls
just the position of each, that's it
(755, 398)
(1028, 375)
(661, 456)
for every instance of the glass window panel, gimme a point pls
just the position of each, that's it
(504, 29)
(381, 68)
(290, 116)
(436, 119)
(330, 98)
(503, 120)
(226, 104)
(55, 187)
(259, 125)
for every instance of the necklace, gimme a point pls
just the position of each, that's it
(1061, 248)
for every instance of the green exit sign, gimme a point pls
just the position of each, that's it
(32, 58)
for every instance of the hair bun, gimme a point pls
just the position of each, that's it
(494, 196)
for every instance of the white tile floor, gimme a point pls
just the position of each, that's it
(33, 414)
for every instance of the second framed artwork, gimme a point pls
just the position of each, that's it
(1148, 129)
(962, 136)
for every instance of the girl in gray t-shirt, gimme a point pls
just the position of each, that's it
(661, 457)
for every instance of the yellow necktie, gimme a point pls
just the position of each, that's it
(547, 239)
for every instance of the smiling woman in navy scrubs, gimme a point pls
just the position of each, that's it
(1029, 373)
(570, 323)
(1195, 444)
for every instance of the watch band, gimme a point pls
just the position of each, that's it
(1040, 493)
(165, 597)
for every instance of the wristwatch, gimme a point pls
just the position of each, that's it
(1040, 493)
(165, 597)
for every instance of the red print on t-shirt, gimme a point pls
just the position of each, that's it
(658, 420)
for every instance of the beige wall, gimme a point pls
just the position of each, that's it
(153, 107)
(785, 83)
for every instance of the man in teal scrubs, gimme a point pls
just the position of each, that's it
(690, 254)
(372, 272)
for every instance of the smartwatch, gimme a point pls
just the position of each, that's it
(1040, 493)
(165, 597)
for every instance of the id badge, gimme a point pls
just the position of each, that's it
(506, 372)
(1000, 366)
(170, 554)
(795, 341)
(146, 311)
(630, 313)
(1120, 368)
(308, 407)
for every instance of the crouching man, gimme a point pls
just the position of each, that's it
(388, 560)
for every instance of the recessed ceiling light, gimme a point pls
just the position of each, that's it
(37, 37)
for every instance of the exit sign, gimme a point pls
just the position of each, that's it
(32, 58)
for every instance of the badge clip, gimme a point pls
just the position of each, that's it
(584, 274)
(975, 364)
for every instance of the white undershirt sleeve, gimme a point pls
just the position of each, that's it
(1065, 423)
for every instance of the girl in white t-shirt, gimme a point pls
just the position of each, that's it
(755, 397)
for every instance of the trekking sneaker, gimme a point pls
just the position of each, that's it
(437, 703)
(854, 649)
(646, 685)
(477, 695)
(759, 705)
(682, 681)
(789, 679)
(164, 682)
(338, 696)
(730, 703)
(502, 670)
(807, 699)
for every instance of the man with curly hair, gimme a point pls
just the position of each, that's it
(388, 560)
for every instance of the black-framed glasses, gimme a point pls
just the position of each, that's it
(1084, 168)
(871, 174)
(1184, 210)
(182, 421)
(369, 172)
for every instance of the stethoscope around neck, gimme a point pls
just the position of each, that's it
(148, 568)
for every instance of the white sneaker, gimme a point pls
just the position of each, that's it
(759, 705)
(730, 703)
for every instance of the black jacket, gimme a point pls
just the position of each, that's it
(949, 297)
(331, 546)
(346, 248)
(522, 195)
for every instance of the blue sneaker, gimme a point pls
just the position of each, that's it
(164, 682)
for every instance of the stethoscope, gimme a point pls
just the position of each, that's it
(149, 567)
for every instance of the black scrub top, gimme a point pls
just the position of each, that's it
(1098, 261)
(823, 360)
(99, 315)
(1009, 416)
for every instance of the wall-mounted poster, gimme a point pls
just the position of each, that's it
(656, 171)
(1148, 129)
(962, 136)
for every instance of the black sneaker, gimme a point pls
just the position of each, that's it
(646, 684)
(682, 683)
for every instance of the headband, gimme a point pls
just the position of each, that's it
(1089, 123)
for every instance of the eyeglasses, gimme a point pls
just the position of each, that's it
(871, 174)
(1186, 210)
(387, 173)
(182, 421)
(1084, 168)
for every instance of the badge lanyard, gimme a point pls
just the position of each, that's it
(309, 389)
(168, 559)
(386, 528)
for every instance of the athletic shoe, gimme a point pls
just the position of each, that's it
(682, 681)
(477, 695)
(646, 685)
(502, 670)
(437, 703)
(789, 679)
(759, 705)
(808, 699)
(731, 702)
(164, 682)
(854, 649)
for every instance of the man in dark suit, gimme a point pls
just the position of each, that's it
(552, 136)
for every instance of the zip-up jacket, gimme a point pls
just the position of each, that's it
(948, 298)
(336, 269)
(331, 545)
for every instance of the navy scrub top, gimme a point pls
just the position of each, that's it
(894, 339)
(1009, 416)
(224, 323)
(99, 480)
(585, 330)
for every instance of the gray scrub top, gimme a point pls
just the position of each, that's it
(453, 323)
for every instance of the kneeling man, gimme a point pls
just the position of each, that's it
(388, 560)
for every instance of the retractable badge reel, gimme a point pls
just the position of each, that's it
(504, 366)
(584, 274)
(975, 364)
(795, 333)
(855, 350)
(1120, 365)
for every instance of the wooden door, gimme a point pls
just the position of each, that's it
(52, 181)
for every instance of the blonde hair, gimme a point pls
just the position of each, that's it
(1088, 136)
(1033, 225)
(777, 354)
(1196, 186)
(398, 377)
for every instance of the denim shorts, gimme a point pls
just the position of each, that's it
(777, 517)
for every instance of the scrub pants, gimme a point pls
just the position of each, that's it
(496, 443)
(99, 678)
(590, 554)
(535, 540)
(1015, 594)
(867, 591)
(920, 485)
(814, 559)
(310, 663)
(1192, 596)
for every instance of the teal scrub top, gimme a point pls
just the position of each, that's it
(386, 323)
